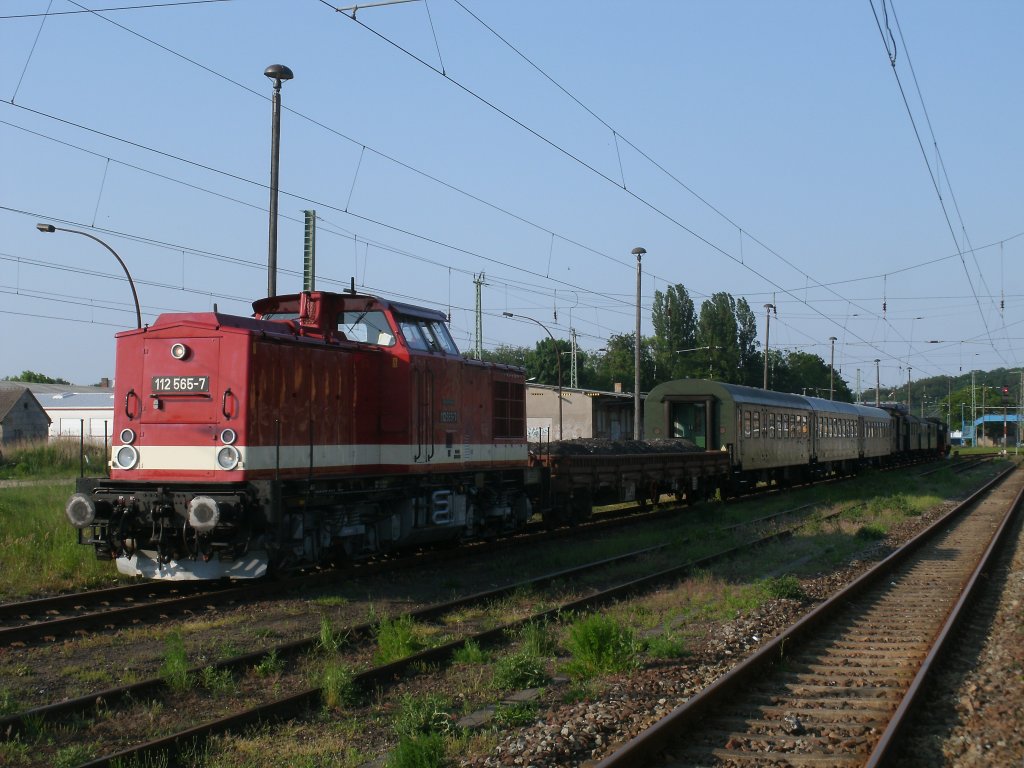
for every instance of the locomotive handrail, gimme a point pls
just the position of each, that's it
(127, 397)
(224, 403)
(430, 412)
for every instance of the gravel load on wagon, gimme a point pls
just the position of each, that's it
(595, 446)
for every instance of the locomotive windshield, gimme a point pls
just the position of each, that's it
(427, 335)
(366, 327)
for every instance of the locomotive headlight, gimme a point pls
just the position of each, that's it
(203, 514)
(127, 436)
(80, 510)
(127, 457)
(179, 351)
(228, 436)
(228, 457)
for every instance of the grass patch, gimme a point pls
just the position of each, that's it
(337, 685)
(517, 715)
(423, 715)
(219, 682)
(269, 665)
(470, 653)
(175, 668)
(51, 459)
(782, 588)
(599, 645)
(422, 751)
(516, 671)
(871, 532)
(397, 639)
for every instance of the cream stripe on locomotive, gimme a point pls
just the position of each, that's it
(206, 458)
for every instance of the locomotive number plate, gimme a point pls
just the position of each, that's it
(165, 384)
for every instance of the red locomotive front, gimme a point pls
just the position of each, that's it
(327, 426)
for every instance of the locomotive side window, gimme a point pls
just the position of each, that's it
(442, 338)
(366, 327)
(413, 334)
(509, 409)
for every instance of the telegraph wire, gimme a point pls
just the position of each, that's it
(931, 174)
(147, 6)
(643, 201)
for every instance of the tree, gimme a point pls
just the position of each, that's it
(718, 332)
(31, 377)
(751, 362)
(616, 367)
(542, 362)
(506, 354)
(675, 328)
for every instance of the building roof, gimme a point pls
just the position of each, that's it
(9, 397)
(76, 400)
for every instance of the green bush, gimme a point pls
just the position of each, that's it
(783, 588)
(396, 639)
(519, 670)
(175, 668)
(52, 458)
(424, 751)
(337, 685)
(422, 715)
(599, 645)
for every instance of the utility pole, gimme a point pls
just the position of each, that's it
(574, 381)
(478, 346)
(638, 252)
(768, 308)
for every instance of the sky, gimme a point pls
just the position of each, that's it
(770, 150)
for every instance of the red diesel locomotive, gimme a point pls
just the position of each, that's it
(326, 426)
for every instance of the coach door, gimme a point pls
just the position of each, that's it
(691, 420)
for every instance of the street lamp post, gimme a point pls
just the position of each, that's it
(131, 283)
(832, 368)
(638, 252)
(558, 359)
(909, 369)
(278, 73)
(767, 326)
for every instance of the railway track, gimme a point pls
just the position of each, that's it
(836, 688)
(782, 523)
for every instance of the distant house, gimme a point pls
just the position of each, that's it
(22, 418)
(72, 409)
(584, 413)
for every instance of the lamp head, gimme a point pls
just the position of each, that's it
(46, 227)
(638, 251)
(508, 314)
(278, 72)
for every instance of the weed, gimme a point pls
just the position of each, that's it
(783, 588)
(14, 752)
(8, 703)
(337, 685)
(537, 639)
(871, 532)
(331, 601)
(219, 682)
(330, 641)
(600, 645)
(174, 669)
(517, 715)
(519, 670)
(423, 751)
(396, 639)
(67, 757)
(470, 653)
(666, 645)
(269, 665)
(421, 715)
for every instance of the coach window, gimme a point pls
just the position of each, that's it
(746, 423)
(770, 426)
(756, 424)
